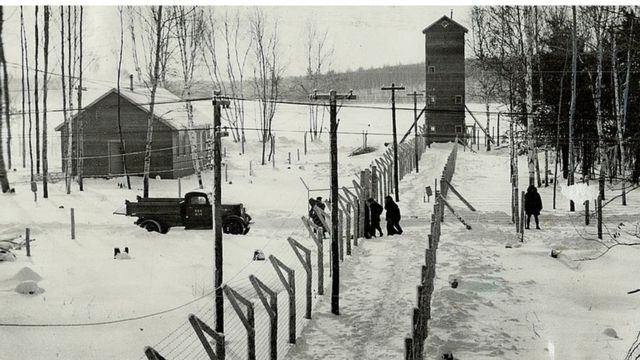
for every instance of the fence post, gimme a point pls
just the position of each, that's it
(522, 216)
(152, 354)
(345, 213)
(247, 320)
(599, 217)
(289, 284)
(28, 241)
(73, 224)
(299, 250)
(586, 212)
(374, 182)
(408, 348)
(179, 188)
(271, 306)
(317, 238)
(340, 238)
(417, 334)
(200, 328)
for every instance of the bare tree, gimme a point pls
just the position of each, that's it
(625, 106)
(4, 181)
(23, 97)
(483, 51)
(158, 26)
(319, 53)
(80, 151)
(28, 82)
(572, 109)
(596, 19)
(45, 82)
(35, 92)
(228, 73)
(69, 139)
(531, 149)
(267, 73)
(7, 108)
(122, 144)
(189, 31)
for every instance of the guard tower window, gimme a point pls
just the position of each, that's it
(458, 129)
(432, 69)
(458, 99)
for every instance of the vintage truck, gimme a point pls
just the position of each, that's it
(194, 211)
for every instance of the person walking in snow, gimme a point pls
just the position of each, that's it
(313, 215)
(392, 216)
(375, 210)
(532, 205)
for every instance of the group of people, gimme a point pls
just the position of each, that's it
(372, 213)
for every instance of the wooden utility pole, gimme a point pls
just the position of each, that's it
(45, 161)
(415, 95)
(218, 103)
(393, 89)
(335, 246)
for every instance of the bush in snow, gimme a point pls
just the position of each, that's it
(29, 287)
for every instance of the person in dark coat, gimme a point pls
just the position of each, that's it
(375, 210)
(532, 205)
(314, 216)
(392, 216)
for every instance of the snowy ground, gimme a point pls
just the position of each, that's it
(378, 284)
(90, 297)
(520, 303)
(515, 303)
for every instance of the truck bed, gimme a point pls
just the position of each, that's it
(167, 208)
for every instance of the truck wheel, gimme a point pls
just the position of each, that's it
(234, 227)
(151, 226)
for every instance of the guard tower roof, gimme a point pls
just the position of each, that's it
(444, 22)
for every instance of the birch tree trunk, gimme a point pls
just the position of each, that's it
(69, 138)
(190, 32)
(617, 105)
(122, 144)
(4, 181)
(572, 109)
(30, 135)
(35, 93)
(154, 87)
(528, 27)
(22, 87)
(7, 108)
(624, 112)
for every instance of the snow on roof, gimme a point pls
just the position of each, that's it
(444, 22)
(168, 108)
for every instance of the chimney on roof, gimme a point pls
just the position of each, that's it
(131, 82)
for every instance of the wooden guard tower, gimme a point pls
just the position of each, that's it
(445, 76)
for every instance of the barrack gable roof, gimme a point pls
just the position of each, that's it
(444, 22)
(168, 108)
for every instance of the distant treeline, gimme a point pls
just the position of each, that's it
(366, 83)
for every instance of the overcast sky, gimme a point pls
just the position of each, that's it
(361, 36)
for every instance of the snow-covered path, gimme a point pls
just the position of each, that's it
(378, 284)
(519, 302)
